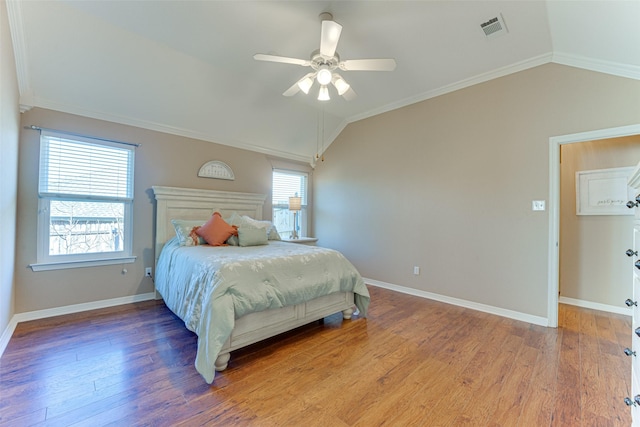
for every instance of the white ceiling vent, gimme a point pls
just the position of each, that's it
(494, 27)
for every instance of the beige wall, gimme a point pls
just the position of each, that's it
(447, 184)
(161, 160)
(593, 266)
(9, 125)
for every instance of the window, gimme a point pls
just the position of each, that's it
(85, 202)
(289, 184)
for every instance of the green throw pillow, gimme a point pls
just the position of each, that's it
(249, 236)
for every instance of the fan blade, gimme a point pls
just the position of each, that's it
(292, 90)
(296, 86)
(349, 94)
(282, 59)
(329, 38)
(368, 65)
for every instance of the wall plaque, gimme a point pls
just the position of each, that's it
(217, 170)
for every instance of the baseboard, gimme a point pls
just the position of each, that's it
(516, 315)
(596, 306)
(68, 309)
(6, 335)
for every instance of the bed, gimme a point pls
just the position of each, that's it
(246, 294)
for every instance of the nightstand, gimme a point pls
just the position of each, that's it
(309, 241)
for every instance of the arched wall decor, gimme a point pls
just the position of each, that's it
(217, 170)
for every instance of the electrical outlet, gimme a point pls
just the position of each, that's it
(147, 272)
(537, 205)
(416, 270)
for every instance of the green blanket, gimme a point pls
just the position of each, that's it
(209, 287)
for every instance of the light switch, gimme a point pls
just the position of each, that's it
(537, 205)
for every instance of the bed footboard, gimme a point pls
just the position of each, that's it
(258, 326)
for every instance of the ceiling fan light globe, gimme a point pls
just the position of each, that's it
(341, 86)
(324, 76)
(323, 94)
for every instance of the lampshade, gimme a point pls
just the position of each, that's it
(324, 75)
(323, 94)
(295, 203)
(341, 85)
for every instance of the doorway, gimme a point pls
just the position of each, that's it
(554, 205)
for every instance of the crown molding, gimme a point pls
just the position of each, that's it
(480, 78)
(158, 127)
(606, 67)
(592, 64)
(28, 100)
(14, 14)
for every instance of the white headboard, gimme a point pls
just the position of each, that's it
(190, 203)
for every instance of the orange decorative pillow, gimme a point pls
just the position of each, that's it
(216, 231)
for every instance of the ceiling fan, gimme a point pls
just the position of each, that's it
(325, 61)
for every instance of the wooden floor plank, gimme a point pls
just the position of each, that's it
(607, 338)
(475, 394)
(511, 399)
(540, 398)
(569, 405)
(591, 371)
(486, 404)
(411, 362)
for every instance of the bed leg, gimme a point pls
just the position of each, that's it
(222, 361)
(346, 314)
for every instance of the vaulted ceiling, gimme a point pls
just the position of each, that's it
(187, 67)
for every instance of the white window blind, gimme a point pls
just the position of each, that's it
(285, 184)
(85, 170)
(288, 184)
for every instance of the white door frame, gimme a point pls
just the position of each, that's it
(554, 204)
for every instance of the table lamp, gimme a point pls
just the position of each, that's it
(295, 204)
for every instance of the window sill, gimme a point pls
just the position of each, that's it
(45, 266)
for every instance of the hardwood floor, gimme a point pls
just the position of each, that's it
(411, 362)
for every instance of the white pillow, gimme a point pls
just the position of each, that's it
(272, 232)
(234, 219)
(246, 221)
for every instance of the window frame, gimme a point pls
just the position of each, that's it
(303, 216)
(46, 261)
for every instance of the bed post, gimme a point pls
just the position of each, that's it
(222, 361)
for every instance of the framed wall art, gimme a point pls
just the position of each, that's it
(603, 192)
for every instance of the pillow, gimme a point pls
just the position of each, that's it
(272, 232)
(250, 236)
(233, 241)
(186, 232)
(247, 221)
(234, 219)
(216, 231)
